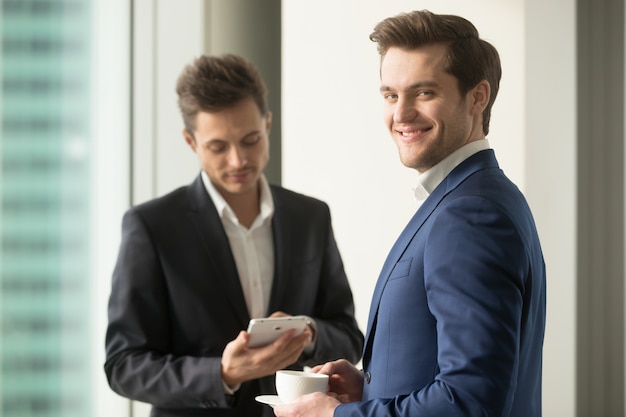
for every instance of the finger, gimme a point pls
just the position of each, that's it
(343, 398)
(289, 354)
(327, 368)
(316, 369)
(308, 333)
(305, 337)
(243, 337)
(284, 351)
(239, 343)
(282, 409)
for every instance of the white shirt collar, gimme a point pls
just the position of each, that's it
(252, 248)
(224, 211)
(430, 179)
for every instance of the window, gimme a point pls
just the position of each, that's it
(51, 330)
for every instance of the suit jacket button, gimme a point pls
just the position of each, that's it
(368, 377)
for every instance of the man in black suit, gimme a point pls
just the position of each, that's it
(195, 265)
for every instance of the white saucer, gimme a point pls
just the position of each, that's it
(270, 400)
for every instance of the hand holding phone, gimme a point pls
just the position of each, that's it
(266, 330)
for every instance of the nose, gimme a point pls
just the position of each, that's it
(404, 111)
(237, 157)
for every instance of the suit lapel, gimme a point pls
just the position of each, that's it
(476, 162)
(208, 225)
(394, 255)
(281, 234)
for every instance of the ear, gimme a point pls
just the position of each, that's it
(268, 121)
(189, 139)
(480, 96)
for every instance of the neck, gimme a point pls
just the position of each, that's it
(246, 206)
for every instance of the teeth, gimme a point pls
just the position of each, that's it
(413, 132)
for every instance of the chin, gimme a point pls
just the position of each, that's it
(242, 188)
(408, 161)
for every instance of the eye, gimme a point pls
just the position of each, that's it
(217, 146)
(424, 93)
(251, 140)
(390, 97)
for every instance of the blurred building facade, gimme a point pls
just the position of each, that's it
(44, 212)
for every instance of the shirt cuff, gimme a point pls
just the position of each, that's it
(230, 391)
(311, 346)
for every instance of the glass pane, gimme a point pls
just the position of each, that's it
(45, 215)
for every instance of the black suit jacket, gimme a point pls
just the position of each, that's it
(176, 300)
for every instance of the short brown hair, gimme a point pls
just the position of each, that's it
(470, 59)
(213, 83)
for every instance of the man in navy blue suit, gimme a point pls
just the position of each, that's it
(457, 319)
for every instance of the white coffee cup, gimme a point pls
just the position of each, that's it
(292, 384)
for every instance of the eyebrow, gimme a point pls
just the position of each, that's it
(415, 86)
(247, 135)
(254, 133)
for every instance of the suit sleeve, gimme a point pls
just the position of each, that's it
(475, 269)
(138, 363)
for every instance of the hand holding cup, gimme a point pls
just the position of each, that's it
(293, 384)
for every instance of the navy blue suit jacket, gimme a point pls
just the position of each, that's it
(176, 300)
(457, 318)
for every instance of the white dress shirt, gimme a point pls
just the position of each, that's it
(430, 179)
(253, 248)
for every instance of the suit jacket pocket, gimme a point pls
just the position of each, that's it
(401, 269)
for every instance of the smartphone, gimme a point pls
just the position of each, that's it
(265, 331)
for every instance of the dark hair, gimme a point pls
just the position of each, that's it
(213, 83)
(470, 59)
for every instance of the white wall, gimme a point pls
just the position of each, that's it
(335, 146)
(550, 173)
(167, 37)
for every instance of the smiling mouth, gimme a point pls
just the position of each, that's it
(413, 132)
